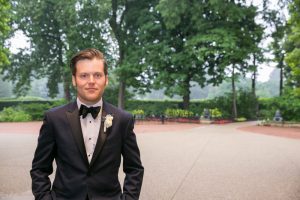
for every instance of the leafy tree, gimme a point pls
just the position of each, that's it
(190, 46)
(200, 39)
(5, 17)
(293, 53)
(129, 22)
(56, 30)
(5, 89)
(277, 21)
(246, 34)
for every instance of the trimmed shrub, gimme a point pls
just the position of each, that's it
(174, 113)
(14, 115)
(138, 114)
(289, 106)
(216, 113)
(240, 119)
(34, 110)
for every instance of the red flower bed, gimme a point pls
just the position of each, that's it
(221, 121)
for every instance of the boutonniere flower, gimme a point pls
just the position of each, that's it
(108, 122)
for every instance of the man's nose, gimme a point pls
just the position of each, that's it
(91, 78)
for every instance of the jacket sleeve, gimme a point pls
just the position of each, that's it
(132, 165)
(42, 162)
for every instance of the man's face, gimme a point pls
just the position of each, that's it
(90, 80)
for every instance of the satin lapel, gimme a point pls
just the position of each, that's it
(74, 121)
(102, 136)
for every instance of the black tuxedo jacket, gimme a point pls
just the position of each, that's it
(61, 139)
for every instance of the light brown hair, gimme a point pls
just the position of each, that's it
(89, 54)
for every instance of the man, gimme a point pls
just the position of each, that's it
(87, 139)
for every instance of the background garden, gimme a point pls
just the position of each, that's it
(166, 57)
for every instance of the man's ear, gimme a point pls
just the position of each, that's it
(73, 81)
(106, 81)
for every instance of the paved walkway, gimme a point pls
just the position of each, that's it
(188, 162)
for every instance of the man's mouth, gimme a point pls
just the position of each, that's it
(91, 89)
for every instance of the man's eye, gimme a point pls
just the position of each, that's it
(83, 76)
(97, 75)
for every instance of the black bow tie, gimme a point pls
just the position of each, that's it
(85, 110)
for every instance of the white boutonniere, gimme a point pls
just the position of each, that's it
(108, 122)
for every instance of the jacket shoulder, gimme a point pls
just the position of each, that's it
(62, 108)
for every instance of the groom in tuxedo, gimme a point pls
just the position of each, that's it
(87, 139)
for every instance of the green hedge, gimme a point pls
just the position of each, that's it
(245, 105)
(288, 105)
(15, 111)
(11, 114)
(14, 103)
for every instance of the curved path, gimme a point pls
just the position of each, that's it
(182, 162)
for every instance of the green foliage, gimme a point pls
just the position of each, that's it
(174, 113)
(288, 104)
(197, 40)
(36, 110)
(293, 46)
(111, 92)
(246, 104)
(224, 104)
(14, 115)
(240, 119)
(138, 114)
(277, 20)
(22, 110)
(58, 102)
(215, 113)
(5, 17)
(151, 107)
(56, 30)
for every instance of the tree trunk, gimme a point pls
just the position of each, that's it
(186, 95)
(121, 97)
(254, 76)
(254, 86)
(67, 91)
(119, 34)
(234, 108)
(65, 75)
(281, 76)
(186, 102)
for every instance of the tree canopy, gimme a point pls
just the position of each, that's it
(56, 30)
(293, 54)
(169, 44)
(197, 41)
(5, 17)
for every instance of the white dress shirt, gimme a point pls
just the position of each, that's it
(90, 128)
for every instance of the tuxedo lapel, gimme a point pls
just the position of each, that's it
(73, 117)
(102, 135)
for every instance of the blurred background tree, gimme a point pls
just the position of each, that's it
(5, 18)
(293, 46)
(182, 49)
(56, 30)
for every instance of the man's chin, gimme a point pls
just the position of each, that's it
(92, 100)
